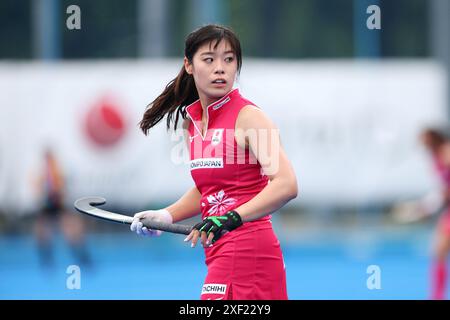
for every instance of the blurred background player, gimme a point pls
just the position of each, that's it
(437, 143)
(51, 186)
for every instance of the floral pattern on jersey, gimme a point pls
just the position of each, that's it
(219, 203)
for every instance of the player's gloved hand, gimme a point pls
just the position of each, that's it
(212, 228)
(158, 215)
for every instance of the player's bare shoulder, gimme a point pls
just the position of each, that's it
(253, 117)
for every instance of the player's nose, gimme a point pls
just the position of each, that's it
(219, 68)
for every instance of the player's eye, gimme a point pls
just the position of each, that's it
(208, 60)
(229, 59)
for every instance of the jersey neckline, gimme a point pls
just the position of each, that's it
(196, 107)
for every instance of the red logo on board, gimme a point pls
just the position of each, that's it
(105, 123)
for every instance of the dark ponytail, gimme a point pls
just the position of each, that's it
(181, 91)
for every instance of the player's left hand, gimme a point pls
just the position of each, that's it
(212, 228)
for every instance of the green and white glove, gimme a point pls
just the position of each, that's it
(219, 225)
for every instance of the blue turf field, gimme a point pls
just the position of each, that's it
(129, 267)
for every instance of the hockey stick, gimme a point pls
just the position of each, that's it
(87, 205)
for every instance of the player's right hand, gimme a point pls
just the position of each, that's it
(157, 215)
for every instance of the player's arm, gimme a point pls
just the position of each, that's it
(257, 132)
(415, 210)
(431, 204)
(185, 207)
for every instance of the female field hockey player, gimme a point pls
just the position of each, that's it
(437, 143)
(239, 167)
(439, 147)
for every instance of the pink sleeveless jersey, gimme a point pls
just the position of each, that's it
(444, 175)
(246, 263)
(225, 174)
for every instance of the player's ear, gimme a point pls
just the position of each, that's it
(187, 65)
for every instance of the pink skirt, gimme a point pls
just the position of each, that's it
(246, 264)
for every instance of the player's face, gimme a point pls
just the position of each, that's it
(214, 70)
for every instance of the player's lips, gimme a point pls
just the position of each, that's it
(219, 82)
